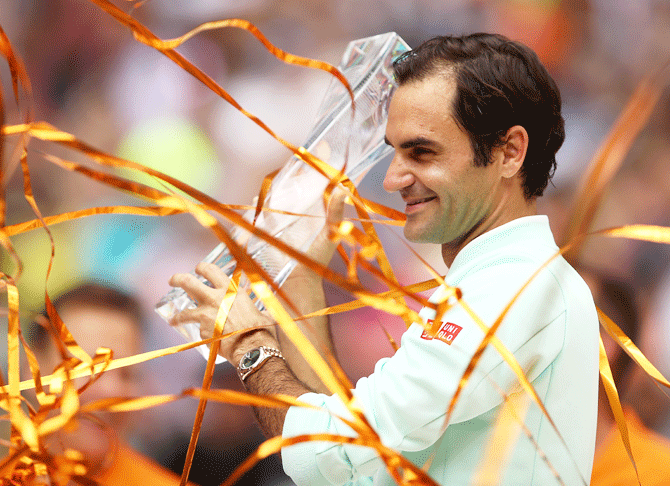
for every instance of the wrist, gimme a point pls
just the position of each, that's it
(255, 359)
(249, 341)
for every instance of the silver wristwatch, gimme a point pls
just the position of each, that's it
(254, 359)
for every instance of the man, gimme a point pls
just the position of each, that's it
(97, 316)
(475, 123)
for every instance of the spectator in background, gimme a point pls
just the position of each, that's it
(651, 451)
(101, 316)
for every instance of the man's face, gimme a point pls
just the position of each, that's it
(93, 327)
(447, 197)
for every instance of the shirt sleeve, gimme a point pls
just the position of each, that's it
(407, 396)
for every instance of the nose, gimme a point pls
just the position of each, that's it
(397, 176)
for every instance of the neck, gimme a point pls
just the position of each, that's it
(509, 208)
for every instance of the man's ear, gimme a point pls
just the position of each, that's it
(514, 148)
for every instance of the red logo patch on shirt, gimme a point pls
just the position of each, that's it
(447, 332)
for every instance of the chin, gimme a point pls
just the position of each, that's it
(409, 235)
(418, 237)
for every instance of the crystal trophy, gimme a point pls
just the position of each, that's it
(298, 188)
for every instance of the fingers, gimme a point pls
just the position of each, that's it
(194, 316)
(336, 208)
(204, 318)
(213, 273)
(187, 316)
(322, 248)
(195, 289)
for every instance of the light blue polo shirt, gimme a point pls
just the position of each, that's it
(552, 329)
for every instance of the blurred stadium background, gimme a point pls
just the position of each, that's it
(92, 79)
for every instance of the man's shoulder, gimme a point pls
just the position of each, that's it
(509, 263)
(536, 279)
(526, 241)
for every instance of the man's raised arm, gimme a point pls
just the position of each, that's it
(305, 289)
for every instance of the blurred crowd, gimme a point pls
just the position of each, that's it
(92, 79)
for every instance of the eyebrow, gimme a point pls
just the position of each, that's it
(414, 142)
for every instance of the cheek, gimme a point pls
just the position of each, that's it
(438, 179)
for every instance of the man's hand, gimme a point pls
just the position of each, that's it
(243, 315)
(303, 286)
(274, 376)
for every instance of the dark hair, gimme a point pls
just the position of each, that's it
(88, 295)
(499, 83)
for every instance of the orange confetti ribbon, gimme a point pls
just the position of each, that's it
(222, 315)
(364, 243)
(612, 152)
(613, 396)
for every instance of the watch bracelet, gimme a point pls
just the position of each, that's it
(269, 353)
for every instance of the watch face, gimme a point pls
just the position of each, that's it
(250, 358)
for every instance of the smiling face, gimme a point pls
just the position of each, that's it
(448, 198)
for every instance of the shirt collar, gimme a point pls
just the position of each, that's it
(519, 231)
